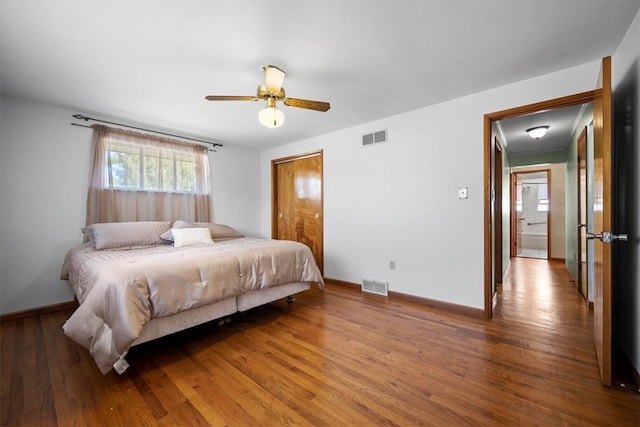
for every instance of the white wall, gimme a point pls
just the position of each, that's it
(571, 195)
(398, 201)
(235, 188)
(44, 168)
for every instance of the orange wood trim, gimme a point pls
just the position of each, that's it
(441, 305)
(32, 312)
(274, 198)
(296, 157)
(560, 260)
(581, 149)
(342, 283)
(512, 216)
(321, 154)
(497, 212)
(565, 101)
(550, 197)
(488, 306)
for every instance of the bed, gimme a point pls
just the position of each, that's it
(138, 281)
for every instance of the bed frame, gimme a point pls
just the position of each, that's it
(162, 326)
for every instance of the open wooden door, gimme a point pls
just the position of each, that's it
(602, 236)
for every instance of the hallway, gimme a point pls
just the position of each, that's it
(543, 295)
(542, 292)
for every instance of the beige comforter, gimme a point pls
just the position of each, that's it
(120, 290)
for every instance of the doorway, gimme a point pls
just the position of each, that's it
(492, 213)
(530, 211)
(602, 260)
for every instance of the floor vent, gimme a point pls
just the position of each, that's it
(375, 287)
(374, 138)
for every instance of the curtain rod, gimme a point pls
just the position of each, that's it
(85, 118)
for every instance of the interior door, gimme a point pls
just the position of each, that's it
(582, 214)
(498, 213)
(602, 205)
(297, 202)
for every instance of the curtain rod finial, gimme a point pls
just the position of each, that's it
(81, 117)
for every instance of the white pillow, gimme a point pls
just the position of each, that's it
(218, 231)
(190, 236)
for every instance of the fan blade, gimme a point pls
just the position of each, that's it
(274, 77)
(308, 104)
(230, 98)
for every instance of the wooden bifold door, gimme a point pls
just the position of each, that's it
(297, 201)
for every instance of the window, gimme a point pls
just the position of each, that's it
(543, 197)
(139, 177)
(135, 167)
(543, 205)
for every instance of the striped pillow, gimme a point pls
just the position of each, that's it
(126, 234)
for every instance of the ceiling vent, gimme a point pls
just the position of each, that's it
(374, 138)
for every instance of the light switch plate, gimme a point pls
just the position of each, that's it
(463, 193)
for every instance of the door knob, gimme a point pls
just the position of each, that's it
(607, 237)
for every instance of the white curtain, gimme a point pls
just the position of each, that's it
(140, 177)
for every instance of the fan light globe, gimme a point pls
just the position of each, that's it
(270, 116)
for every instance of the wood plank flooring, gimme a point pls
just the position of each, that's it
(334, 358)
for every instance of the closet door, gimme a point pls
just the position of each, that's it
(297, 201)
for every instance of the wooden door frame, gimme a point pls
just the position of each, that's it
(582, 279)
(497, 218)
(513, 215)
(565, 101)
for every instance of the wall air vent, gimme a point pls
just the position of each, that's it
(377, 287)
(374, 138)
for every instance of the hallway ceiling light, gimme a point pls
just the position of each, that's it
(537, 132)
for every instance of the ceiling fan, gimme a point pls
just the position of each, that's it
(271, 92)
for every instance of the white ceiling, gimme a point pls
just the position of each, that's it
(153, 62)
(562, 123)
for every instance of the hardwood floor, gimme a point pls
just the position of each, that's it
(336, 357)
